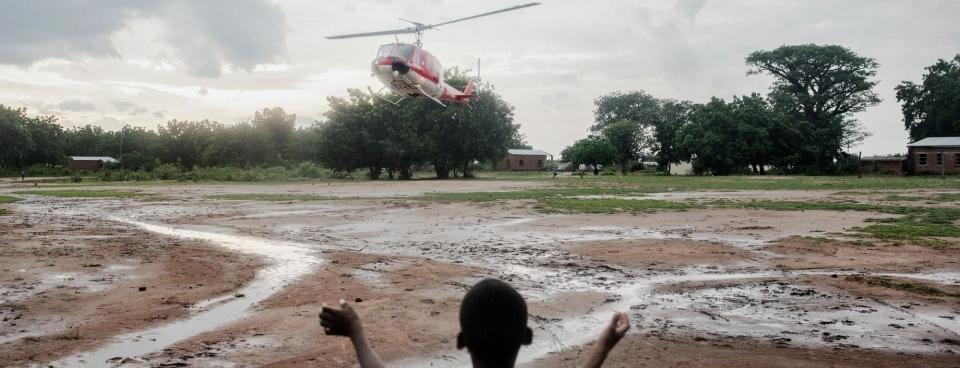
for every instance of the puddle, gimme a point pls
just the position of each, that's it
(289, 261)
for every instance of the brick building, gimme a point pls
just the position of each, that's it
(934, 155)
(523, 160)
(889, 165)
(89, 163)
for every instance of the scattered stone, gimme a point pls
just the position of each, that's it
(358, 300)
(142, 288)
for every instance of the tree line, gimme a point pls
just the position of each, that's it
(801, 126)
(270, 138)
(359, 132)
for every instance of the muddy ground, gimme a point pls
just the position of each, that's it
(186, 278)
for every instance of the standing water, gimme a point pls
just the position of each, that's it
(289, 262)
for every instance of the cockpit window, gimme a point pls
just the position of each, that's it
(404, 51)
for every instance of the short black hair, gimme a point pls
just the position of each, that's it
(493, 322)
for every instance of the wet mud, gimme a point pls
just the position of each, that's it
(696, 280)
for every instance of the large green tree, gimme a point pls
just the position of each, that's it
(16, 139)
(724, 138)
(624, 136)
(671, 117)
(820, 86)
(932, 108)
(712, 141)
(637, 107)
(593, 151)
(657, 120)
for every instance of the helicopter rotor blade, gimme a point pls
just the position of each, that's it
(378, 33)
(527, 5)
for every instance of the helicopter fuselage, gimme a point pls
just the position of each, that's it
(409, 70)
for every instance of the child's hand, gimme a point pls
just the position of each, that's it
(342, 321)
(615, 330)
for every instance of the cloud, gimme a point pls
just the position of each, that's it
(243, 33)
(688, 9)
(126, 106)
(76, 105)
(159, 114)
(205, 36)
(41, 29)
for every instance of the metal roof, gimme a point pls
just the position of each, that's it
(94, 158)
(937, 142)
(883, 158)
(527, 152)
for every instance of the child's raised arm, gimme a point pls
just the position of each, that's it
(344, 321)
(611, 335)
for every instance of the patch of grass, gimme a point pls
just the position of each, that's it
(943, 197)
(3, 212)
(9, 199)
(537, 194)
(80, 193)
(271, 197)
(608, 205)
(917, 225)
(796, 205)
(654, 183)
(911, 287)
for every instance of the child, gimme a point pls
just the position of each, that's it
(493, 324)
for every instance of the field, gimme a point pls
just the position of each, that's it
(713, 271)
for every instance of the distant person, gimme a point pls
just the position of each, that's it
(581, 169)
(493, 327)
(23, 176)
(554, 172)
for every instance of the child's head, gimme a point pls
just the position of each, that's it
(493, 323)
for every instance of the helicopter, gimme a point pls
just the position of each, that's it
(410, 71)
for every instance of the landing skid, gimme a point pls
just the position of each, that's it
(422, 92)
(378, 95)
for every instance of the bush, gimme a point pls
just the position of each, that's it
(166, 172)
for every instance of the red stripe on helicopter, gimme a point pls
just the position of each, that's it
(423, 72)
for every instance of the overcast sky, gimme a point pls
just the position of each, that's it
(115, 62)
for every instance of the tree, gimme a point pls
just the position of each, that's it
(726, 138)
(712, 141)
(240, 145)
(519, 140)
(671, 117)
(636, 106)
(90, 140)
(623, 135)
(184, 142)
(278, 126)
(822, 86)
(463, 135)
(17, 142)
(48, 138)
(592, 151)
(657, 120)
(932, 108)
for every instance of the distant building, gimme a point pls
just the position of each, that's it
(934, 155)
(89, 163)
(889, 165)
(523, 160)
